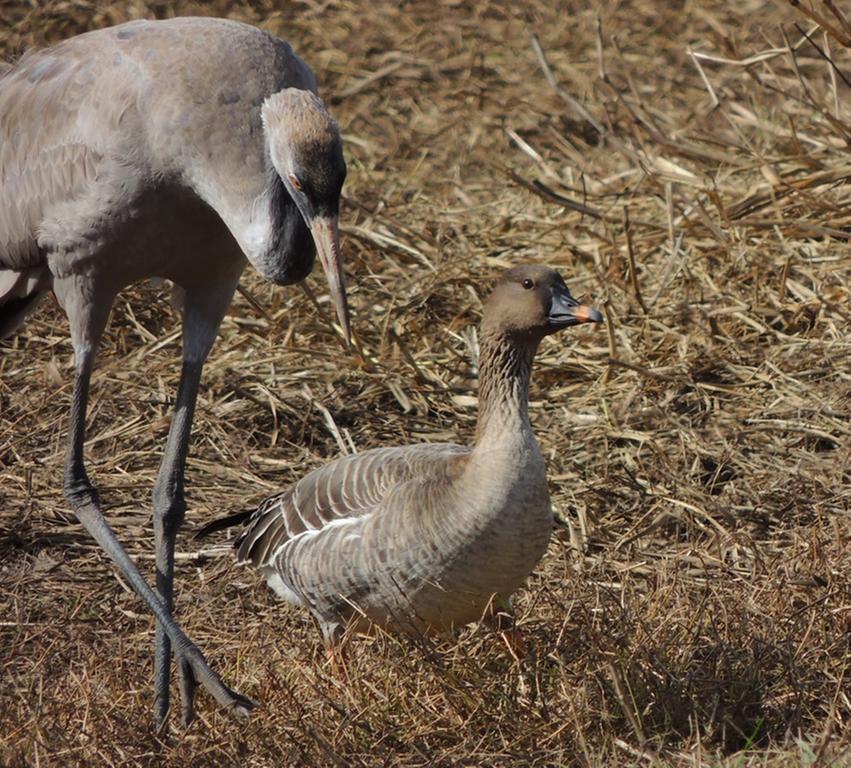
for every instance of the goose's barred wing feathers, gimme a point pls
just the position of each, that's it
(348, 488)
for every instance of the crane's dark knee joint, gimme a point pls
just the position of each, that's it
(80, 492)
(169, 510)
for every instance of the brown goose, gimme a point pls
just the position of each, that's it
(422, 538)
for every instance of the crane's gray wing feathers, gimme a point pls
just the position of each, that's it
(348, 488)
(80, 121)
(45, 156)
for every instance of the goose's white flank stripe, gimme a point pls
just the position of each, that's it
(426, 537)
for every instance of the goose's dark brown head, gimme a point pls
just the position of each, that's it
(532, 301)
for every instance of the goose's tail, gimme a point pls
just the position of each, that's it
(237, 518)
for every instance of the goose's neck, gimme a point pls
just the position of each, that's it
(505, 367)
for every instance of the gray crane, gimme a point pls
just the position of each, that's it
(175, 149)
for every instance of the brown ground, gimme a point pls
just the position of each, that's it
(694, 605)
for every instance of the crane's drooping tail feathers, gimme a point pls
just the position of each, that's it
(20, 294)
(14, 312)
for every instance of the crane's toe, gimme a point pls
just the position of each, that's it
(193, 671)
(161, 706)
(188, 685)
(242, 706)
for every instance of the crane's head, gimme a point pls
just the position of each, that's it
(307, 152)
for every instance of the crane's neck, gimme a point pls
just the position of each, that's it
(505, 368)
(276, 239)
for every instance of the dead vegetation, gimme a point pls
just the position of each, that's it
(687, 166)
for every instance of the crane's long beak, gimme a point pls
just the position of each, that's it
(326, 235)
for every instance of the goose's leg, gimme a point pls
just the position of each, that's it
(203, 311)
(500, 617)
(336, 646)
(88, 311)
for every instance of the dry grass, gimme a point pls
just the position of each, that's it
(694, 605)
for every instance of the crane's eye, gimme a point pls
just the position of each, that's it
(528, 283)
(295, 182)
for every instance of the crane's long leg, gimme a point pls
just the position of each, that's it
(169, 511)
(203, 310)
(88, 318)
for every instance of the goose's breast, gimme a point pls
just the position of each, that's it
(432, 557)
(507, 541)
(486, 542)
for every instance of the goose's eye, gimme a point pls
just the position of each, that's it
(528, 283)
(295, 182)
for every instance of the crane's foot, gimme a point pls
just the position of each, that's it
(192, 666)
(192, 671)
(187, 684)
